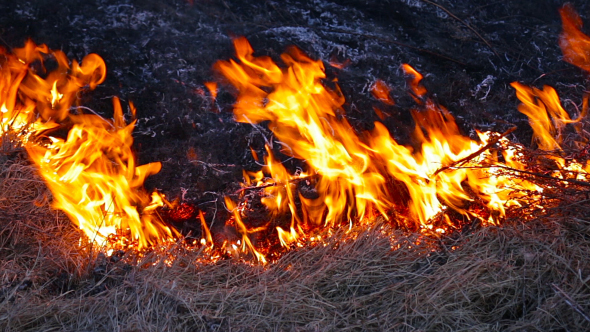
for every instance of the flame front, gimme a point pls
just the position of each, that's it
(443, 179)
(359, 175)
(91, 173)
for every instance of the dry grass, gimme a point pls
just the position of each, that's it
(519, 277)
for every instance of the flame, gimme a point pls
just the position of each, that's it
(348, 178)
(574, 44)
(543, 108)
(93, 178)
(207, 239)
(381, 91)
(356, 176)
(549, 119)
(55, 95)
(32, 104)
(245, 244)
(92, 173)
(304, 116)
(212, 87)
(546, 115)
(418, 90)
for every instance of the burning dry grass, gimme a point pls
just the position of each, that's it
(529, 276)
(521, 275)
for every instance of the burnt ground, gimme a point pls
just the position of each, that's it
(160, 53)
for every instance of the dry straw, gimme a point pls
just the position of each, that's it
(522, 276)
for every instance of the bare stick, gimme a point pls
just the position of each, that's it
(464, 23)
(296, 180)
(476, 153)
(578, 182)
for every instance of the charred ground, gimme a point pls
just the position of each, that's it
(159, 55)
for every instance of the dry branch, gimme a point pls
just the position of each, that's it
(539, 175)
(490, 144)
(296, 180)
(465, 24)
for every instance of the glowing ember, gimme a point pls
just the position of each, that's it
(92, 173)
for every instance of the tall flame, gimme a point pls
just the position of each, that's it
(358, 174)
(546, 115)
(92, 173)
(543, 108)
(93, 178)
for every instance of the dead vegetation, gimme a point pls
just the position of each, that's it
(528, 275)
(525, 276)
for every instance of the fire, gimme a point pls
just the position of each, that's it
(93, 178)
(381, 91)
(418, 90)
(546, 115)
(245, 245)
(92, 173)
(32, 104)
(443, 179)
(543, 108)
(55, 95)
(574, 44)
(357, 176)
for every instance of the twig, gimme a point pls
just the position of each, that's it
(573, 304)
(464, 23)
(296, 180)
(476, 153)
(578, 182)
(211, 165)
(5, 43)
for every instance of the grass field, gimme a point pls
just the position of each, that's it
(521, 276)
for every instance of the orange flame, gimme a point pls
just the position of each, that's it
(548, 120)
(354, 175)
(546, 115)
(304, 115)
(207, 239)
(574, 44)
(212, 87)
(418, 90)
(93, 178)
(92, 173)
(349, 177)
(381, 91)
(245, 243)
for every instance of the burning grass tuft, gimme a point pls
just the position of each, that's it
(521, 276)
